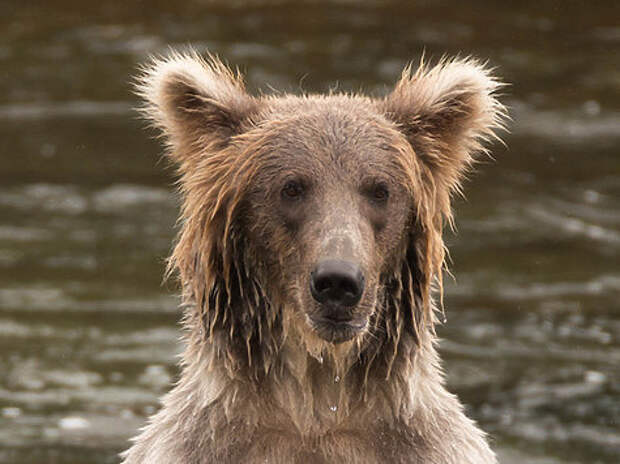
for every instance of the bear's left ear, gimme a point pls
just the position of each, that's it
(195, 102)
(446, 112)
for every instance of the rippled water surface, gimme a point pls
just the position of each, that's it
(89, 336)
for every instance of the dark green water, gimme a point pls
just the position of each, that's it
(88, 336)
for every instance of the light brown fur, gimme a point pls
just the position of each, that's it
(260, 382)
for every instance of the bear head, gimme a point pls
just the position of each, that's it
(322, 213)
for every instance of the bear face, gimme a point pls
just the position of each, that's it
(328, 208)
(320, 213)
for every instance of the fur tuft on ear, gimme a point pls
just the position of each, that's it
(193, 100)
(447, 112)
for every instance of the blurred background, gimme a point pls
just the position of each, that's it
(89, 336)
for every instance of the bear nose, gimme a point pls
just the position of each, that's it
(337, 282)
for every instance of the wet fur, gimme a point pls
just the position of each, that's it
(257, 385)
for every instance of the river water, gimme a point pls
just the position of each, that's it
(89, 336)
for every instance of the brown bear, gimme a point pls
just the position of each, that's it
(310, 243)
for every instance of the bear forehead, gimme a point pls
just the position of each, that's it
(337, 138)
(338, 124)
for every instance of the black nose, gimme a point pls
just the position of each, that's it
(337, 282)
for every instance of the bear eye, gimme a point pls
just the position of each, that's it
(292, 190)
(380, 193)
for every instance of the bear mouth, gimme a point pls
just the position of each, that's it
(338, 331)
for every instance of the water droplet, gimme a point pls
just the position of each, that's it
(333, 408)
(337, 379)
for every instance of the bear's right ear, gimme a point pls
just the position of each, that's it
(195, 102)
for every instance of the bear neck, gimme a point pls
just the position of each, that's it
(314, 390)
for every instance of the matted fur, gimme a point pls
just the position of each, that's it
(257, 385)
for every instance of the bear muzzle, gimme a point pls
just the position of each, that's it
(337, 285)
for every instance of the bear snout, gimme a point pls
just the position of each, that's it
(337, 283)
